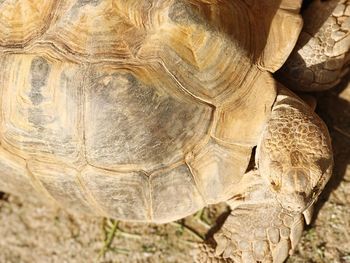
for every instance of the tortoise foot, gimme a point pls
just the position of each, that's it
(255, 233)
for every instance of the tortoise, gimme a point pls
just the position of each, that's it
(148, 111)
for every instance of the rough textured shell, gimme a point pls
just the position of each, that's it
(133, 109)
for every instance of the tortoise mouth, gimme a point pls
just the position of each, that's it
(296, 202)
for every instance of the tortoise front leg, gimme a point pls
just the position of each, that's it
(294, 162)
(258, 228)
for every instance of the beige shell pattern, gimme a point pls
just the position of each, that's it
(133, 109)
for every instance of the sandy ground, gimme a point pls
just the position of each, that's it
(33, 232)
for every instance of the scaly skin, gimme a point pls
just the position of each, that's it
(322, 54)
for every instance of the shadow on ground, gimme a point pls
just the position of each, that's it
(334, 108)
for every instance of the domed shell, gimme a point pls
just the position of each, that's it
(136, 110)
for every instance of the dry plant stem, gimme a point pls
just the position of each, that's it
(110, 232)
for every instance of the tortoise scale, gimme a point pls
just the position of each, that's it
(150, 110)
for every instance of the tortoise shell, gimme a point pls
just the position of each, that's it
(137, 110)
